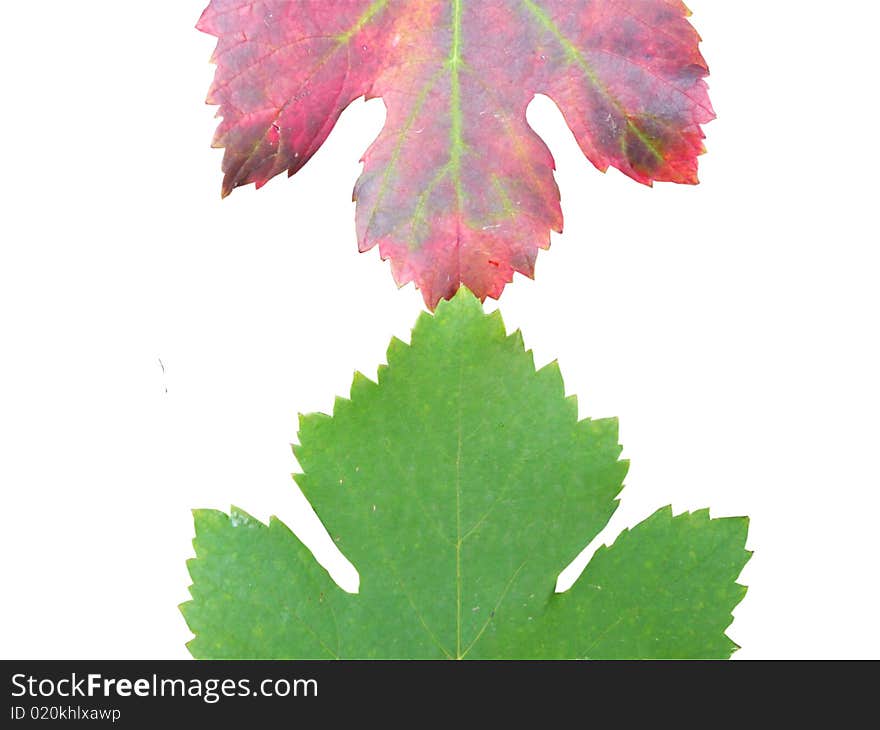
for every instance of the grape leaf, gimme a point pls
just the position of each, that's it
(460, 486)
(457, 188)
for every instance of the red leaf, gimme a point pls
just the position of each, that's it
(458, 189)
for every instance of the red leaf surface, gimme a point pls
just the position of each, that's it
(458, 189)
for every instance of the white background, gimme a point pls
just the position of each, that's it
(732, 327)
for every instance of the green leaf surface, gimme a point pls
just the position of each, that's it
(460, 486)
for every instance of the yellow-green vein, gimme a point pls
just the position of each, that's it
(573, 54)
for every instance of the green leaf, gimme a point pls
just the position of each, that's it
(460, 486)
